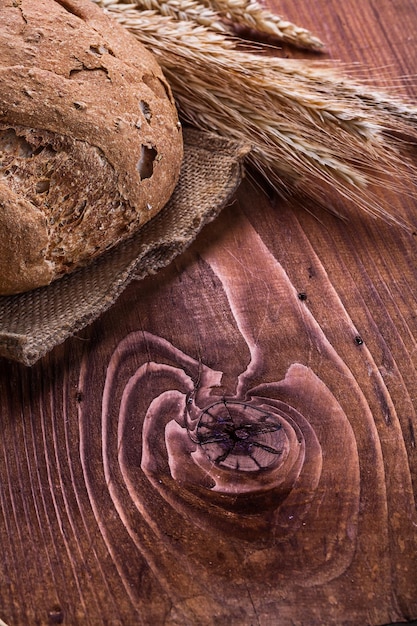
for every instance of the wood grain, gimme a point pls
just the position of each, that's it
(234, 441)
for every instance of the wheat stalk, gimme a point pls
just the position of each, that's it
(308, 128)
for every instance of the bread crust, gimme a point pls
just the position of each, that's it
(90, 144)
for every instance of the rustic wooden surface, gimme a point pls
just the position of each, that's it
(107, 509)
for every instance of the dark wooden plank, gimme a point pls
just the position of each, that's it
(293, 337)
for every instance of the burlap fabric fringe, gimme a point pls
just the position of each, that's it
(32, 323)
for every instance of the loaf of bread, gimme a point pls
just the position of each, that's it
(90, 143)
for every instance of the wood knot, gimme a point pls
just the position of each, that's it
(237, 436)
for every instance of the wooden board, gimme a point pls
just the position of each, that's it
(280, 340)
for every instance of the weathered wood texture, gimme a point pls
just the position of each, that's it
(293, 334)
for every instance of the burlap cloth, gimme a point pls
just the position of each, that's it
(34, 322)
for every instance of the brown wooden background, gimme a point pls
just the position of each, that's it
(107, 512)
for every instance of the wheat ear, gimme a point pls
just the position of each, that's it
(184, 10)
(248, 13)
(252, 14)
